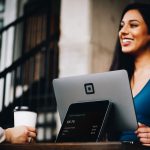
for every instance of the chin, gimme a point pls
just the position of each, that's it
(127, 50)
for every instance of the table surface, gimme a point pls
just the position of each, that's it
(73, 146)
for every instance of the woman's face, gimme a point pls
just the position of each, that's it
(133, 33)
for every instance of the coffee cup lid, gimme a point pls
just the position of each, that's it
(23, 108)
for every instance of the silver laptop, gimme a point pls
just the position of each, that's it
(113, 86)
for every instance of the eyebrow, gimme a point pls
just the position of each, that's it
(131, 21)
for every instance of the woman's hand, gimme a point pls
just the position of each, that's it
(20, 134)
(143, 133)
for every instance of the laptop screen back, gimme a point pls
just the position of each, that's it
(113, 86)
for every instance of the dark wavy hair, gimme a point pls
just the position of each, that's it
(126, 61)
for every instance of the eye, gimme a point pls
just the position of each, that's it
(134, 25)
(121, 25)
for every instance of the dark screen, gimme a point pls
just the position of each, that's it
(83, 122)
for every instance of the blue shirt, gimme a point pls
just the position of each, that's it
(142, 108)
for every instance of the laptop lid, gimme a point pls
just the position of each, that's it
(113, 86)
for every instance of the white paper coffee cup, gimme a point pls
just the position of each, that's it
(24, 116)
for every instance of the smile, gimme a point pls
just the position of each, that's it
(126, 42)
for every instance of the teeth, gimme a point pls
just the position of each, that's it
(126, 40)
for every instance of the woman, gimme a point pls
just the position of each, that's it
(20, 134)
(133, 54)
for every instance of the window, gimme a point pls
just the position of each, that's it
(2, 6)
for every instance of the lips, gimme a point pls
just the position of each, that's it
(126, 41)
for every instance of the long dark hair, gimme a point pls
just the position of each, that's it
(126, 61)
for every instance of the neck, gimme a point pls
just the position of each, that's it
(142, 61)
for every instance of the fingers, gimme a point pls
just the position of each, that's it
(32, 129)
(20, 134)
(141, 125)
(145, 140)
(143, 133)
(29, 139)
(32, 134)
(146, 144)
(27, 133)
(143, 129)
(144, 137)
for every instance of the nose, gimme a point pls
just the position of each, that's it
(124, 30)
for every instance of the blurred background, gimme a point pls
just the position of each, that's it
(44, 39)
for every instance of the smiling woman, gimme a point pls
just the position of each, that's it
(133, 54)
(132, 28)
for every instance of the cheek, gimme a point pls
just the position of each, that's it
(140, 37)
(119, 34)
(142, 41)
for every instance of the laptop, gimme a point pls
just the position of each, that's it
(113, 86)
(85, 122)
